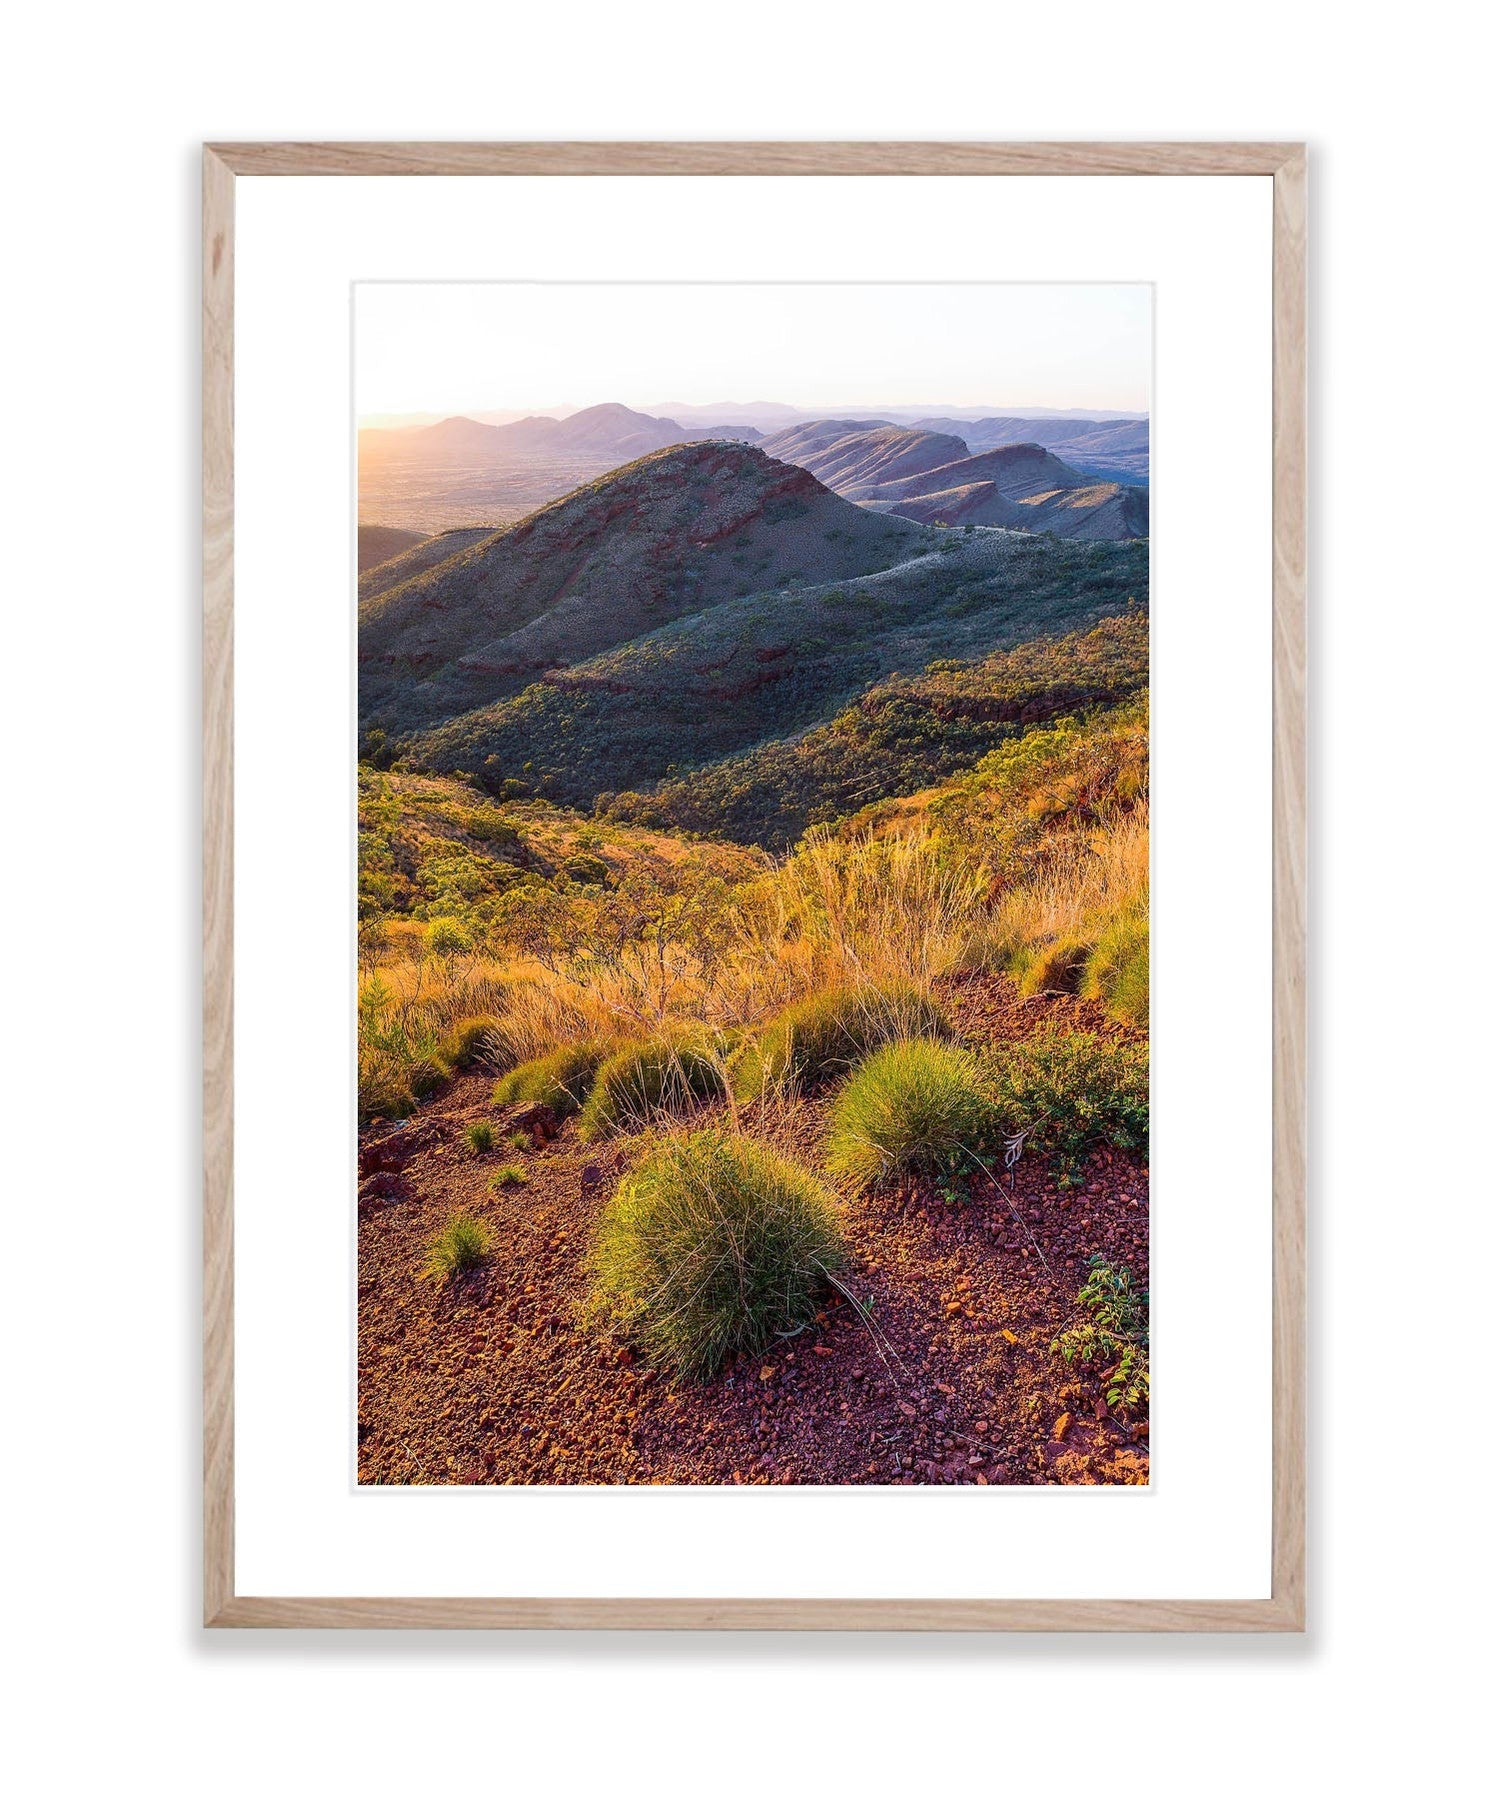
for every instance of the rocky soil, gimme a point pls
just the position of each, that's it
(941, 1372)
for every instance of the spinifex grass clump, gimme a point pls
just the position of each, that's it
(1053, 967)
(463, 1243)
(645, 1082)
(823, 1036)
(560, 1080)
(713, 1245)
(1118, 970)
(913, 1106)
(480, 1137)
(470, 1041)
(511, 1174)
(1071, 1090)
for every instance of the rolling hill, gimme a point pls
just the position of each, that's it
(847, 454)
(718, 680)
(930, 477)
(378, 543)
(424, 553)
(679, 530)
(1116, 448)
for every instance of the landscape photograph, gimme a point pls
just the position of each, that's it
(753, 912)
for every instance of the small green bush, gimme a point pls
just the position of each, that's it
(916, 1105)
(1118, 970)
(447, 937)
(1115, 1334)
(825, 1035)
(470, 1041)
(511, 1175)
(560, 1080)
(480, 1138)
(712, 1245)
(644, 1082)
(428, 1075)
(587, 871)
(519, 1140)
(463, 1243)
(1071, 1090)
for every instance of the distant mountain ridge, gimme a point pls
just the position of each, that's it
(929, 476)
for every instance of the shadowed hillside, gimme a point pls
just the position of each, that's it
(379, 543)
(423, 553)
(721, 679)
(898, 737)
(677, 531)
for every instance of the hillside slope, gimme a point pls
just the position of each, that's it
(379, 543)
(424, 553)
(847, 454)
(679, 530)
(1118, 448)
(718, 680)
(899, 737)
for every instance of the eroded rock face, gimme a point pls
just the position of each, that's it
(385, 1189)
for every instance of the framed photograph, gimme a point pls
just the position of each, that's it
(754, 885)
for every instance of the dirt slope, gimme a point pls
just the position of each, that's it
(495, 1379)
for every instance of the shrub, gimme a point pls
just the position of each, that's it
(825, 1035)
(915, 1105)
(480, 1138)
(1115, 1334)
(428, 1075)
(1118, 971)
(463, 1243)
(561, 1080)
(713, 1244)
(1070, 1090)
(587, 871)
(447, 937)
(469, 1041)
(643, 1082)
(511, 1175)
(519, 1140)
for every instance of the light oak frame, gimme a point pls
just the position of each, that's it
(1285, 1609)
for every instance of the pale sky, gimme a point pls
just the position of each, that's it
(496, 346)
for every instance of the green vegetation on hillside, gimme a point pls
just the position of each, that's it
(902, 735)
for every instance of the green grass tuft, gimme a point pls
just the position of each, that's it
(713, 1245)
(461, 1244)
(1118, 970)
(428, 1075)
(560, 1080)
(1053, 968)
(480, 1138)
(825, 1035)
(471, 1041)
(511, 1175)
(645, 1082)
(913, 1106)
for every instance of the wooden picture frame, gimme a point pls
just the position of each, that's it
(1284, 1609)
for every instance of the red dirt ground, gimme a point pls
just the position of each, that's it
(495, 1379)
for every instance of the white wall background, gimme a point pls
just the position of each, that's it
(105, 109)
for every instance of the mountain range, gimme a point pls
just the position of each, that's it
(700, 600)
(464, 472)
